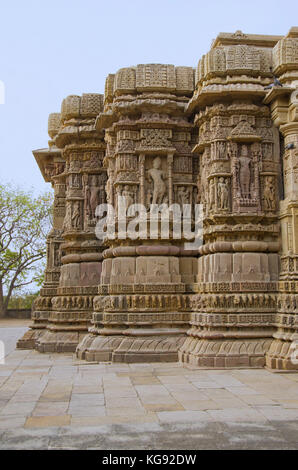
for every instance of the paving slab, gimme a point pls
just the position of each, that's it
(12, 422)
(237, 414)
(18, 408)
(183, 416)
(50, 408)
(94, 399)
(86, 410)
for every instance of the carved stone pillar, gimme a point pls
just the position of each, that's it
(83, 151)
(142, 312)
(283, 353)
(234, 308)
(52, 166)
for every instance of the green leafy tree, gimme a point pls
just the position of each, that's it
(22, 301)
(24, 223)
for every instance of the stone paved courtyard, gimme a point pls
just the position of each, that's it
(52, 401)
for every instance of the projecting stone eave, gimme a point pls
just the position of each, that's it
(105, 120)
(45, 156)
(208, 95)
(259, 40)
(277, 92)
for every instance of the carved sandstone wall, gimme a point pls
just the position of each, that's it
(221, 135)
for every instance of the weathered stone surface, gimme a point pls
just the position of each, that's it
(224, 135)
(73, 165)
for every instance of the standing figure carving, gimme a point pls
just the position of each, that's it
(128, 195)
(269, 194)
(159, 185)
(67, 218)
(221, 150)
(183, 195)
(223, 193)
(94, 195)
(75, 218)
(244, 172)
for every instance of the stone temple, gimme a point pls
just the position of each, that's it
(223, 135)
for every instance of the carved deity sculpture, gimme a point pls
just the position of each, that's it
(244, 172)
(221, 150)
(269, 194)
(59, 168)
(159, 185)
(75, 183)
(49, 171)
(94, 195)
(67, 218)
(183, 195)
(75, 218)
(223, 193)
(128, 195)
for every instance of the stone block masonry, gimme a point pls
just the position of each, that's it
(223, 135)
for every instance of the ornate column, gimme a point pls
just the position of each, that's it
(83, 151)
(52, 166)
(235, 304)
(142, 311)
(283, 101)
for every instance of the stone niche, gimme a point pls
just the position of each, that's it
(223, 135)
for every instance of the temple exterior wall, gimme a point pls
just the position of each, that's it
(222, 137)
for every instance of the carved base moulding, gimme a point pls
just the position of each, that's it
(280, 355)
(59, 342)
(134, 336)
(30, 338)
(64, 330)
(39, 325)
(130, 349)
(229, 353)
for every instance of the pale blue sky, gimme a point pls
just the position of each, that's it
(51, 49)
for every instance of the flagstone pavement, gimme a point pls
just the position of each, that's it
(55, 401)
